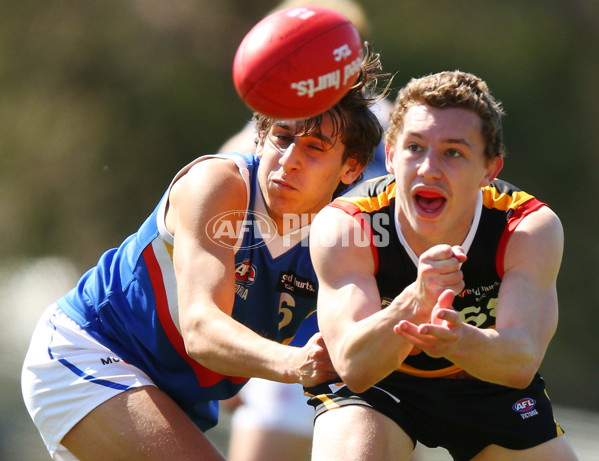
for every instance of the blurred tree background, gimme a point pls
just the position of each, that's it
(103, 101)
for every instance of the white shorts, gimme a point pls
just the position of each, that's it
(66, 374)
(275, 406)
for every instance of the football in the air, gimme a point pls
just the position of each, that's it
(298, 62)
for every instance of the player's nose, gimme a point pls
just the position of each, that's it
(291, 157)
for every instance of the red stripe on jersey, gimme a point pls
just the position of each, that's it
(354, 211)
(205, 376)
(516, 218)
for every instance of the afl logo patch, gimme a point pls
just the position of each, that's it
(524, 405)
(245, 273)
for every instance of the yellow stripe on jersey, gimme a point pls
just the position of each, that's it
(169, 248)
(441, 373)
(370, 204)
(492, 198)
(558, 428)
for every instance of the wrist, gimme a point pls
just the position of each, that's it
(289, 364)
(410, 306)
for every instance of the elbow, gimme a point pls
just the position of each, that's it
(195, 350)
(194, 346)
(359, 386)
(520, 379)
(523, 374)
(520, 364)
(527, 368)
(355, 378)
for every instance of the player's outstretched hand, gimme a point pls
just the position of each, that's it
(316, 367)
(438, 270)
(438, 338)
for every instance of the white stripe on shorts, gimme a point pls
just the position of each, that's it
(67, 373)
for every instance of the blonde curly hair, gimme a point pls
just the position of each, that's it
(452, 89)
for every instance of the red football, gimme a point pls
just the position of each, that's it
(297, 62)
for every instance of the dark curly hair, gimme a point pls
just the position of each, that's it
(353, 122)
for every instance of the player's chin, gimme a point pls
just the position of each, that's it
(285, 197)
(286, 207)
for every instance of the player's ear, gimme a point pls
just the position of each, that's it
(351, 170)
(494, 166)
(260, 140)
(389, 152)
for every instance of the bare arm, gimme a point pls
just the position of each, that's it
(527, 311)
(358, 333)
(206, 289)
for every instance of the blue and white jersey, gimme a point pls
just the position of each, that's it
(128, 301)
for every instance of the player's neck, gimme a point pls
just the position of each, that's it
(425, 235)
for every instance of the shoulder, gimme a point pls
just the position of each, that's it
(213, 176)
(543, 222)
(505, 196)
(537, 242)
(340, 241)
(519, 204)
(207, 188)
(368, 196)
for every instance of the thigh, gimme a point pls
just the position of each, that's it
(557, 449)
(359, 433)
(139, 424)
(67, 373)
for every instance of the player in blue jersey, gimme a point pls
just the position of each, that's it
(271, 420)
(208, 292)
(437, 296)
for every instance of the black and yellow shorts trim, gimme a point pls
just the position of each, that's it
(463, 416)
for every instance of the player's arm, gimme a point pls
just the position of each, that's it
(359, 335)
(527, 311)
(205, 283)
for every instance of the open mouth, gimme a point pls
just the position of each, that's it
(428, 202)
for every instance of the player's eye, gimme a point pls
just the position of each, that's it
(453, 153)
(318, 146)
(282, 138)
(413, 147)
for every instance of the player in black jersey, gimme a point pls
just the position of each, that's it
(437, 295)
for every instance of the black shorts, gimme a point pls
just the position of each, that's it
(463, 416)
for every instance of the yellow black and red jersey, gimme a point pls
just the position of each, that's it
(503, 206)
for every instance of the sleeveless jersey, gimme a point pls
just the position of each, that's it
(501, 208)
(128, 301)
